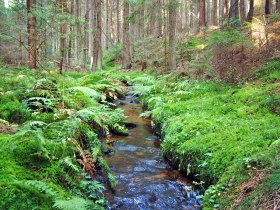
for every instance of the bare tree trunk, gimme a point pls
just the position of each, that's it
(233, 11)
(226, 8)
(251, 11)
(126, 63)
(267, 7)
(70, 38)
(214, 12)
(31, 27)
(172, 34)
(62, 37)
(202, 21)
(277, 6)
(96, 60)
(158, 30)
(118, 22)
(242, 10)
(107, 26)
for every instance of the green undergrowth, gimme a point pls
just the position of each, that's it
(216, 133)
(50, 150)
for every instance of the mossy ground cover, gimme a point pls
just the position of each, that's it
(49, 143)
(219, 134)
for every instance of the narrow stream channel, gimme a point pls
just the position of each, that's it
(144, 180)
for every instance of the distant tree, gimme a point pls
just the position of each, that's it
(202, 20)
(31, 28)
(233, 10)
(126, 59)
(172, 33)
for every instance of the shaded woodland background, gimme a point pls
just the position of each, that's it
(84, 35)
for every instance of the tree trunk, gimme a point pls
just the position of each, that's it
(233, 11)
(126, 63)
(242, 10)
(31, 27)
(267, 7)
(277, 6)
(172, 35)
(96, 55)
(118, 22)
(251, 11)
(62, 37)
(214, 12)
(158, 30)
(107, 38)
(70, 37)
(202, 21)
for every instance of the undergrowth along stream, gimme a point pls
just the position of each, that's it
(224, 136)
(50, 147)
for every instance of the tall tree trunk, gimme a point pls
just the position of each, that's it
(126, 63)
(62, 37)
(214, 12)
(251, 11)
(158, 30)
(242, 10)
(97, 60)
(233, 11)
(118, 22)
(202, 21)
(277, 6)
(107, 38)
(226, 8)
(31, 27)
(267, 7)
(71, 32)
(172, 34)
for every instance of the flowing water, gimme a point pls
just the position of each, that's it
(144, 180)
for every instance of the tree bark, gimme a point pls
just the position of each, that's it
(31, 28)
(97, 60)
(118, 22)
(277, 6)
(251, 11)
(202, 21)
(172, 34)
(267, 7)
(158, 30)
(126, 63)
(242, 10)
(233, 11)
(62, 37)
(214, 12)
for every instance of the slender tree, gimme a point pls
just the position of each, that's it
(251, 11)
(233, 10)
(31, 28)
(172, 34)
(202, 20)
(62, 36)
(126, 62)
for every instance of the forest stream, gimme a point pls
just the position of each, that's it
(144, 179)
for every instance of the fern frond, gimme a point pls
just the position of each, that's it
(36, 185)
(76, 203)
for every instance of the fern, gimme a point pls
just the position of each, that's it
(76, 203)
(87, 91)
(67, 162)
(39, 186)
(146, 114)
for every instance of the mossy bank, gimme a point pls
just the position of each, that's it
(49, 138)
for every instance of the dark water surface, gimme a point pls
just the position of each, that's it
(144, 180)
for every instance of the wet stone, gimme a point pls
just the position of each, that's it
(151, 138)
